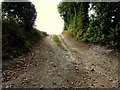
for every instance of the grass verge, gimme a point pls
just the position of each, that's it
(68, 32)
(58, 41)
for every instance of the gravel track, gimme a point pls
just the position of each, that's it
(77, 65)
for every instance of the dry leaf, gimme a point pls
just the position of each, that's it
(93, 79)
(110, 80)
(66, 87)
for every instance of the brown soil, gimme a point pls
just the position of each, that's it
(77, 65)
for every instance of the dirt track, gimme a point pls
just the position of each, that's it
(78, 65)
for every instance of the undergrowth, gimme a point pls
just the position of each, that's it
(15, 41)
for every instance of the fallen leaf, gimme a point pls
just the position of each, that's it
(93, 79)
(66, 87)
(110, 80)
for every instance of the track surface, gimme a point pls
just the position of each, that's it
(77, 65)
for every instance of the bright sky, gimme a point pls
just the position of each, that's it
(48, 18)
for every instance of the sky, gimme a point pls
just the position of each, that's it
(48, 18)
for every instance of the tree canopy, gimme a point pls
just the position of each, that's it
(18, 32)
(101, 27)
(22, 12)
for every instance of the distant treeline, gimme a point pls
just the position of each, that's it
(18, 30)
(101, 27)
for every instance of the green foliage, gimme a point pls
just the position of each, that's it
(56, 39)
(18, 34)
(13, 39)
(15, 42)
(19, 10)
(114, 37)
(22, 12)
(107, 22)
(40, 33)
(68, 32)
(102, 27)
(75, 17)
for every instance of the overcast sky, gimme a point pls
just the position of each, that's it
(48, 18)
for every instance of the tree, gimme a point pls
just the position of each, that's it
(75, 16)
(22, 12)
(108, 21)
(102, 27)
(18, 33)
